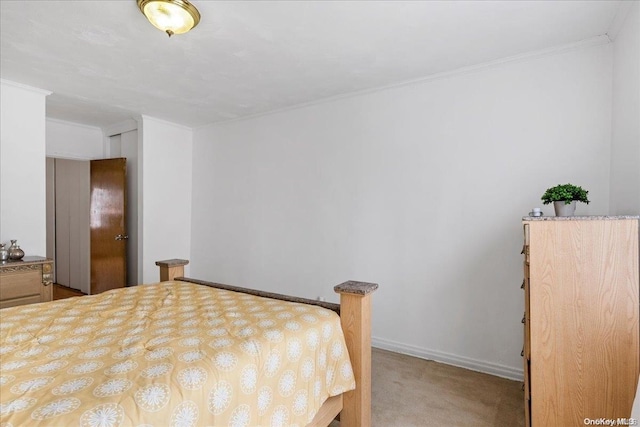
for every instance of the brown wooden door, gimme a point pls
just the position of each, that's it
(108, 224)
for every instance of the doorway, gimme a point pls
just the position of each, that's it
(86, 223)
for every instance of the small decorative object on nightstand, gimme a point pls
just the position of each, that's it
(4, 253)
(15, 253)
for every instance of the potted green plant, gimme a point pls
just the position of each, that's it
(564, 198)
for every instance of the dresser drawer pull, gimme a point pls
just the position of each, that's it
(522, 386)
(523, 249)
(522, 286)
(523, 319)
(522, 353)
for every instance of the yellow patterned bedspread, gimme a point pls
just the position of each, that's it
(170, 354)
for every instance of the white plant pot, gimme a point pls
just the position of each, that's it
(563, 209)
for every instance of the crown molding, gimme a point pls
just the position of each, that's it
(25, 87)
(78, 125)
(556, 50)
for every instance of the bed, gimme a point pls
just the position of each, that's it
(185, 352)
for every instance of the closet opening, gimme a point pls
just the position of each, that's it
(87, 223)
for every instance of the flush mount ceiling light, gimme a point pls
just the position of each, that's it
(170, 16)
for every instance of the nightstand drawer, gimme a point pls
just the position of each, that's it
(26, 282)
(21, 284)
(33, 299)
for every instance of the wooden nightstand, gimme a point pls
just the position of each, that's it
(26, 281)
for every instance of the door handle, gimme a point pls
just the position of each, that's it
(122, 237)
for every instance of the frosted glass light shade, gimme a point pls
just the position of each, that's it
(170, 16)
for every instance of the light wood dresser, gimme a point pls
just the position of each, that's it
(26, 281)
(581, 351)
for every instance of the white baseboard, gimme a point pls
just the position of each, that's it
(450, 359)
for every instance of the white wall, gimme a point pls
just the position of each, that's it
(129, 150)
(625, 146)
(165, 208)
(73, 141)
(126, 145)
(22, 167)
(420, 188)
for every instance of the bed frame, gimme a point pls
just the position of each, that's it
(353, 407)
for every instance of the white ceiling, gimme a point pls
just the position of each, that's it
(105, 62)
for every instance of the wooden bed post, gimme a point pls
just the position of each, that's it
(171, 268)
(355, 316)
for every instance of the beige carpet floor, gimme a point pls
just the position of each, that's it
(407, 392)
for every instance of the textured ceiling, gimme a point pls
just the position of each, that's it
(104, 62)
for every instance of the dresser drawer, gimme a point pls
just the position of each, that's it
(526, 352)
(21, 284)
(525, 245)
(527, 393)
(527, 378)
